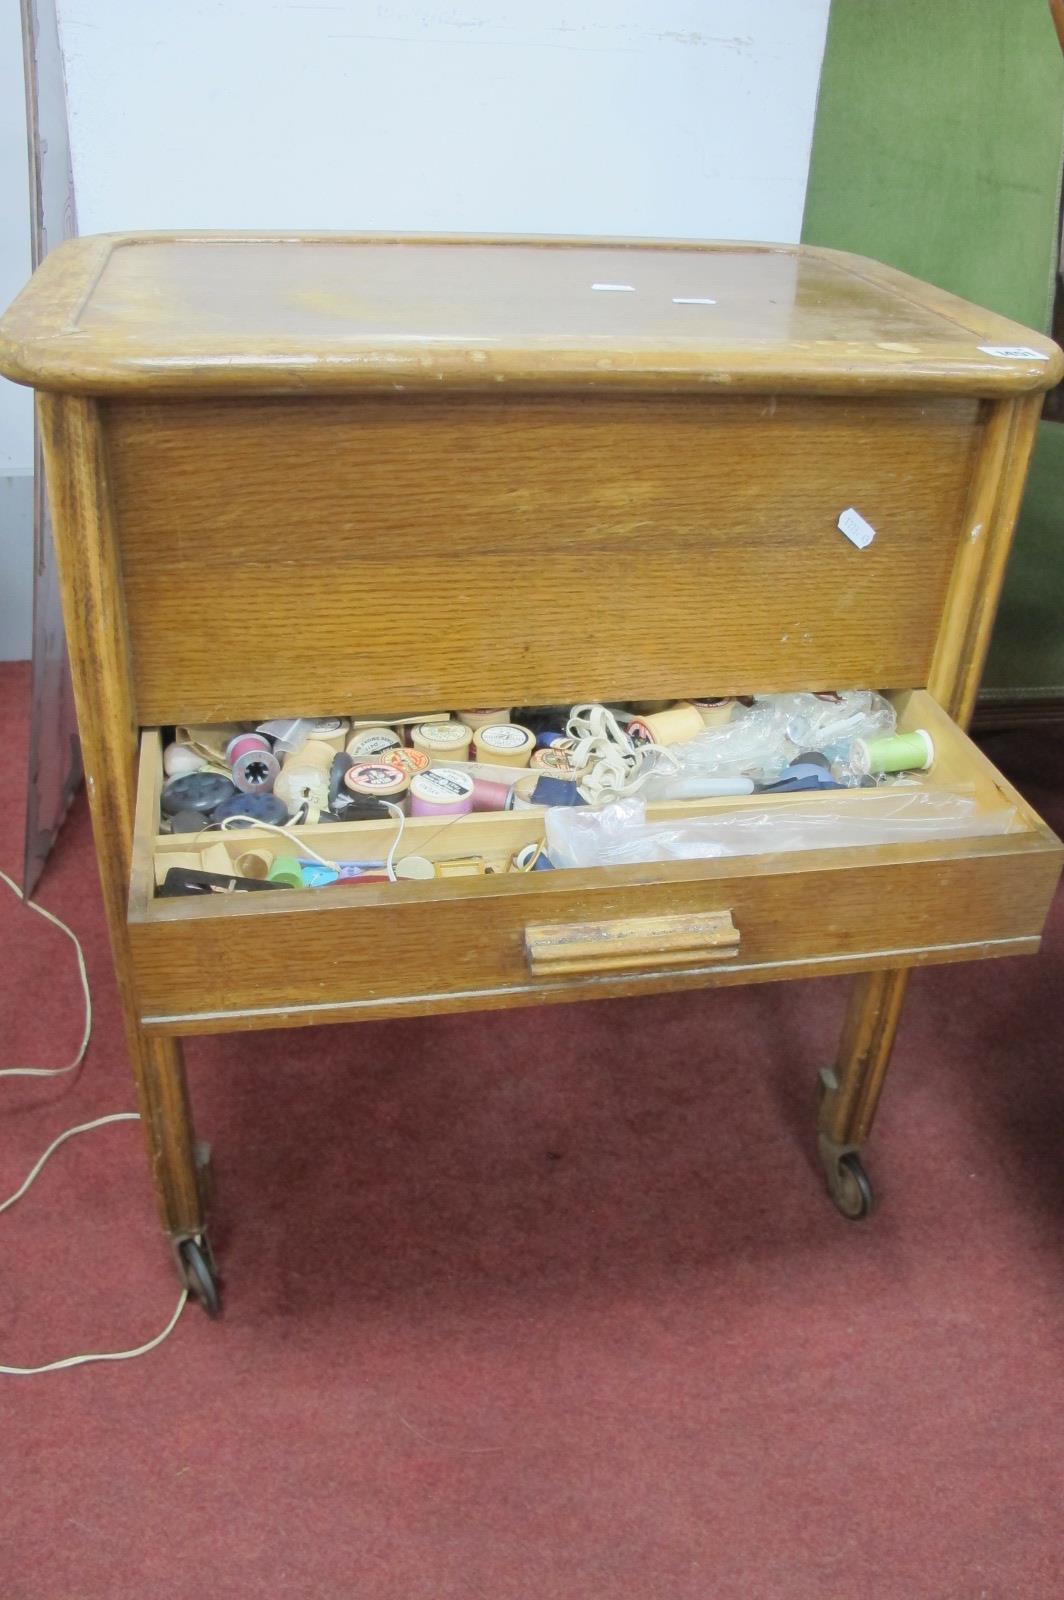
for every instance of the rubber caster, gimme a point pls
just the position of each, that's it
(201, 1279)
(849, 1187)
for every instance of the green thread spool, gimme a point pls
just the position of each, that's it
(285, 870)
(901, 752)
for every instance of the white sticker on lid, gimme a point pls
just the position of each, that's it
(692, 300)
(856, 529)
(614, 288)
(1014, 352)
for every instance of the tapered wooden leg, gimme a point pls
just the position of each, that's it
(177, 1168)
(849, 1091)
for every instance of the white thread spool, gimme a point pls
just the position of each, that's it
(484, 719)
(447, 740)
(366, 744)
(507, 744)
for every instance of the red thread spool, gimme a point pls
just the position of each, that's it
(488, 795)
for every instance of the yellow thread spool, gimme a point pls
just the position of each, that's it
(506, 744)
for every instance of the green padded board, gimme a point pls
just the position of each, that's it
(937, 148)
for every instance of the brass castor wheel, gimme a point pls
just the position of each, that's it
(201, 1279)
(848, 1186)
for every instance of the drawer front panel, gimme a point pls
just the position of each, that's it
(382, 554)
(263, 960)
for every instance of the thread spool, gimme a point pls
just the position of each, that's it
(331, 731)
(406, 759)
(674, 726)
(441, 794)
(506, 744)
(252, 763)
(241, 743)
(489, 795)
(285, 871)
(715, 713)
(373, 780)
(899, 752)
(304, 777)
(522, 791)
(180, 759)
(446, 741)
(483, 719)
(255, 863)
(556, 759)
(548, 737)
(365, 744)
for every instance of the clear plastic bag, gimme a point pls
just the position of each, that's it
(762, 739)
(619, 834)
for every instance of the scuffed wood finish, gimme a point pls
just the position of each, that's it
(206, 314)
(811, 915)
(562, 948)
(99, 657)
(979, 570)
(338, 473)
(336, 555)
(851, 1093)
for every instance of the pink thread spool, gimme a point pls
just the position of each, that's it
(252, 763)
(488, 795)
(441, 794)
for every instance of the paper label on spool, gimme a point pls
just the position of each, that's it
(372, 742)
(406, 761)
(504, 737)
(1013, 352)
(856, 529)
(374, 776)
(448, 735)
(442, 786)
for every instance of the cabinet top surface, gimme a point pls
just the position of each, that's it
(199, 313)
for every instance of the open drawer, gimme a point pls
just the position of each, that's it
(215, 963)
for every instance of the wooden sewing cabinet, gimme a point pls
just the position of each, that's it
(341, 474)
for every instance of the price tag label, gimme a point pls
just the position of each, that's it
(856, 529)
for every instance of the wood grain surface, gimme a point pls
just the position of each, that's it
(334, 556)
(302, 313)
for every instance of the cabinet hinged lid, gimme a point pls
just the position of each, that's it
(217, 312)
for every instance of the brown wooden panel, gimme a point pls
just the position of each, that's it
(262, 956)
(302, 313)
(329, 555)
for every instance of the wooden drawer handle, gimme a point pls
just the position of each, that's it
(630, 943)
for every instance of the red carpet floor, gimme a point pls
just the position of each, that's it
(541, 1305)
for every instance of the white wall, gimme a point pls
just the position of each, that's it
(684, 117)
(616, 116)
(16, 405)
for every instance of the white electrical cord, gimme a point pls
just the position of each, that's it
(82, 1127)
(55, 1072)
